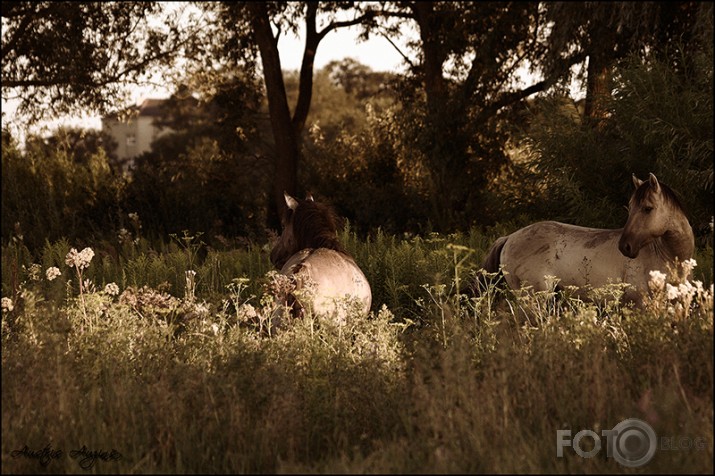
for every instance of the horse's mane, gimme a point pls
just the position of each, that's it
(670, 197)
(315, 226)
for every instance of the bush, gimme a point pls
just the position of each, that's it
(56, 189)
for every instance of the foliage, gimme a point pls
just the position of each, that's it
(618, 29)
(455, 100)
(665, 116)
(436, 139)
(345, 91)
(357, 171)
(62, 186)
(62, 57)
(207, 175)
(224, 105)
(660, 121)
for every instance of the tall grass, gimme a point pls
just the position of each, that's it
(434, 381)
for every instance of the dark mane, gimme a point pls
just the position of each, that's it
(315, 225)
(644, 191)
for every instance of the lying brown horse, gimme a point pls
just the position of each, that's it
(326, 280)
(656, 234)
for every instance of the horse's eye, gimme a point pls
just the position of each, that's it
(647, 209)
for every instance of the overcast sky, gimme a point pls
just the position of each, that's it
(377, 53)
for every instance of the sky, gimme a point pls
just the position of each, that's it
(377, 53)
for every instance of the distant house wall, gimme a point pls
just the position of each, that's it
(135, 135)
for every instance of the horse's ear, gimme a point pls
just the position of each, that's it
(309, 197)
(291, 202)
(636, 181)
(654, 182)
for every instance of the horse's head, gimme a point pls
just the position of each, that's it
(306, 224)
(650, 212)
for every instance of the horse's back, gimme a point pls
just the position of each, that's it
(333, 278)
(577, 256)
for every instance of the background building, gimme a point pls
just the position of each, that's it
(134, 130)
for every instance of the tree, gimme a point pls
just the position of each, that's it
(68, 57)
(462, 89)
(358, 79)
(253, 24)
(59, 186)
(212, 156)
(606, 32)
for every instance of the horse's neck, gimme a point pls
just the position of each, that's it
(323, 240)
(678, 242)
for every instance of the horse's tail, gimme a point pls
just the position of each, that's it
(490, 273)
(493, 259)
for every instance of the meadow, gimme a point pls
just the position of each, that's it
(135, 357)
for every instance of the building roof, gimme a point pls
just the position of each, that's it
(148, 108)
(152, 107)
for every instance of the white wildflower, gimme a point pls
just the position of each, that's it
(88, 285)
(7, 304)
(71, 257)
(124, 235)
(86, 256)
(202, 309)
(112, 289)
(686, 289)
(248, 311)
(215, 328)
(79, 260)
(52, 272)
(657, 279)
(689, 264)
(698, 286)
(551, 281)
(672, 291)
(34, 272)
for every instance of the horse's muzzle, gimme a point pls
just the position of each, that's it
(627, 249)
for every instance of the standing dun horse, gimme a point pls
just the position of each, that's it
(325, 280)
(655, 236)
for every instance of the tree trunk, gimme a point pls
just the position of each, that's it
(598, 81)
(438, 136)
(305, 86)
(598, 90)
(287, 152)
(434, 55)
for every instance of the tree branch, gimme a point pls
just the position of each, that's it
(19, 33)
(342, 24)
(399, 51)
(515, 96)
